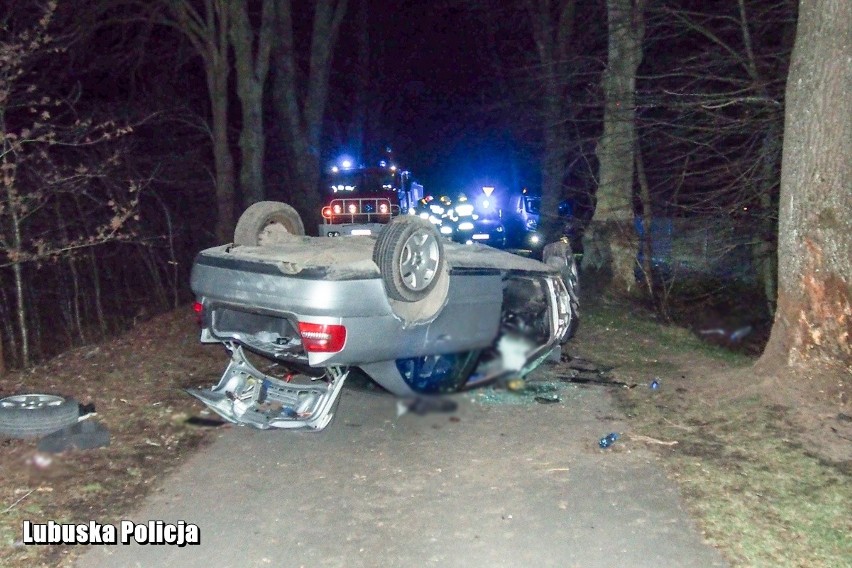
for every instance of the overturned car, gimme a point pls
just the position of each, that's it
(416, 314)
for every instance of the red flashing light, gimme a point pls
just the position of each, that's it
(326, 212)
(198, 308)
(353, 208)
(337, 209)
(383, 208)
(322, 338)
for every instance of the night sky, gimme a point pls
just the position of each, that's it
(451, 130)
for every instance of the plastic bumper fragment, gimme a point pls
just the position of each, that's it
(246, 396)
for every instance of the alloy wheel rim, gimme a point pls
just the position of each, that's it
(418, 263)
(31, 401)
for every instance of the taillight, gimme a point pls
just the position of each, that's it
(326, 212)
(383, 208)
(337, 209)
(198, 308)
(322, 338)
(353, 208)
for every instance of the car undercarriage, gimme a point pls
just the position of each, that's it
(416, 315)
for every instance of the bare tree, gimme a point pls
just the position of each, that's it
(552, 26)
(713, 115)
(300, 92)
(614, 240)
(207, 25)
(49, 155)
(251, 61)
(813, 321)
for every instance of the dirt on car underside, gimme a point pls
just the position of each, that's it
(350, 256)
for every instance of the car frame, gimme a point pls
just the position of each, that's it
(415, 313)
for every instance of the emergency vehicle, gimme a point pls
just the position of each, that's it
(522, 218)
(360, 200)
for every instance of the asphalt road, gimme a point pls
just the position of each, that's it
(496, 485)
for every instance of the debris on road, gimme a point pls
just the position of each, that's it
(734, 336)
(649, 440)
(582, 371)
(579, 364)
(547, 399)
(547, 391)
(608, 440)
(607, 381)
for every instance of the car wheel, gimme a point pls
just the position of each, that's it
(266, 223)
(31, 415)
(410, 255)
(560, 256)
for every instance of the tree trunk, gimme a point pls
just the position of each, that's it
(9, 327)
(2, 318)
(764, 250)
(553, 167)
(225, 220)
(616, 243)
(647, 221)
(305, 190)
(207, 30)
(302, 109)
(251, 66)
(552, 26)
(2, 359)
(75, 309)
(96, 287)
(813, 321)
(252, 149)
(20, 300)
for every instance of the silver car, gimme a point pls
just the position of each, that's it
(415, 313)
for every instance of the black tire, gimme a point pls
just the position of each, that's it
(560, 256)
(32, 415)
(258, 224)
(410, 255)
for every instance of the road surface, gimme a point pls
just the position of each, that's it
(491, 485)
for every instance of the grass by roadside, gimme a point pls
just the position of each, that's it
(135, 384)
(761, 495)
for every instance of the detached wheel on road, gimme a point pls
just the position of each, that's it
(410, 255)
(560, 256)
(31, 415)
(266, 223)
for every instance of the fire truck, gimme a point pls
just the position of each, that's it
(360, 200)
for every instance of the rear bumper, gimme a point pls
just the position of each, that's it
(244, 395)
